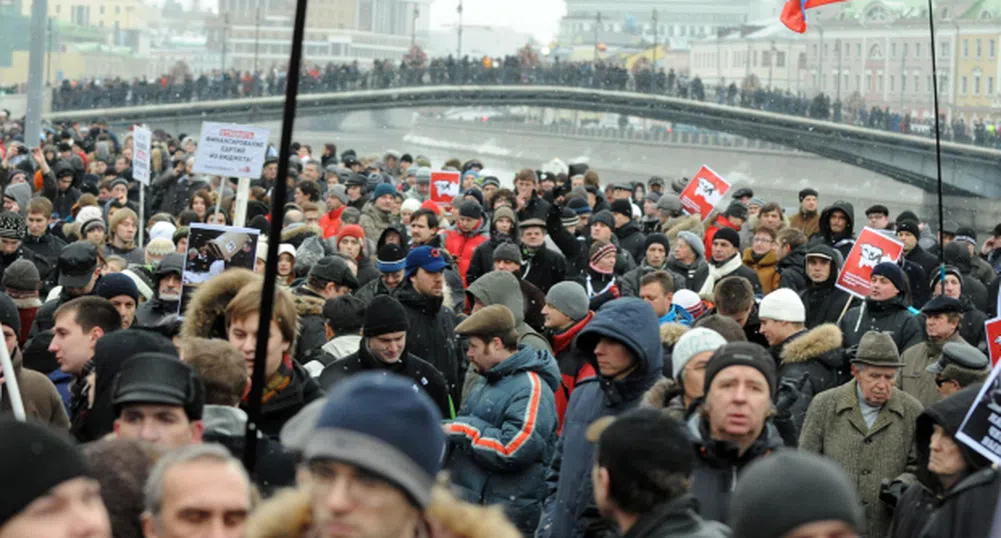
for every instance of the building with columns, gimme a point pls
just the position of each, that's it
(768, 52)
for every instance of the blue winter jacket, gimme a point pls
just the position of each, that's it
(504, 435)
(569, 508)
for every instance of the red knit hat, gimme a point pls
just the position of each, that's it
(433, 206)
(351, 230)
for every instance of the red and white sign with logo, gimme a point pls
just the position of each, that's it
(993, 328)
(704, 192)
(231, 150)
(444, 186)
(871, 248)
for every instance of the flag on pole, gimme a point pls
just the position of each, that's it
(794, 12)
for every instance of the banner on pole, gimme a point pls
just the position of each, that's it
(704, 192)
(981, 429)
(213, 249)
(229, 150)
(871, 248)
(142, 145)
(444, 186)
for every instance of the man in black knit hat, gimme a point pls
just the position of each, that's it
(383, 348)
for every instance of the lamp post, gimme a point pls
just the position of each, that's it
(596, 26)
(655, 36)
(459, 11)
(413, 27)
(257, 35)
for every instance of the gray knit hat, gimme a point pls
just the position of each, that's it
(570, 298)
(508, 251)
(22, 275)
(693, 342)
(693, 242)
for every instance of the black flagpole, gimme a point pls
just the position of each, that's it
(277, 216)
(938, 142)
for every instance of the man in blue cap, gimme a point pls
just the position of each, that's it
(431, 334)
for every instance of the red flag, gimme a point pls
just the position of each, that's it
(794, 12)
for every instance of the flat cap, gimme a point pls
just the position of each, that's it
(943, 305)
(493, 319)
(959, 354)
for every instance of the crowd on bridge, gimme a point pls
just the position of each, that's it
(559, 354)
(235, 84)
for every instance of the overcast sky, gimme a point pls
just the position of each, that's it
(537, 17)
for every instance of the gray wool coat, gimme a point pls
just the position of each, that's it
(835, 428)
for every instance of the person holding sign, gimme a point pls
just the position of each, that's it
(954, 481)
(886, 309)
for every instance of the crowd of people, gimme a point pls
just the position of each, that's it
(316, 78)
(567, 356)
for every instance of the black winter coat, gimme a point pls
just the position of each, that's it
(312, 333)
(482, 261)
(410, 366)
(47, 247)
(892, 316)
(842, 242)
(678, 518)
(544, 269)
(301, 390)
(629, 283)
(792, 270)
(172, 194)
(369, 291)
(152, 312)
(695, 274)
(631, 239)
(45, 268)
(535, 208)
(431, 336)
(921, 257)
(816, 354)
(823, 303)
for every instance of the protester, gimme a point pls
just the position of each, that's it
(885, 309)
(760, 257)
(686, 385)
(123, 294)
(391, 262)
(21, 282)
(942, 319)
(328, 279)
(836, 228)
(655, 288)
(790, 250)
(726, 261)
(167, 296)
(343, 319)
(972, 328)
(503, 229)
(731, 219)
(39, 396)
(79, 270)
(824, 302)
(501, 287)
(567, 314)
(158, 399)
(960, 366)
(468, 234)
(655, 258)
(734, 298)
(688, 259)
(122, 467)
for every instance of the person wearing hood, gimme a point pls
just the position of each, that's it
(501, 287)
(655, 289)
(656, 249)
(979, 267)
(167, 282)
(886, 309)
(867, 425)
(731, 429)
(504, 434)
(823, 301)
(942, 318)
(733, 218)
(673, 219)
(628, 363)
(760, 258)
(958, 255)
(790, 250)
(431, 332)
(39, 238)
(16, 197)
(503, 228)
(726, 262)
(908, 232)
(957, 488)
(631, 239)
(688, 259)
(972, 329)
(468, 234)
(383, 349)
(836, 228)
(676, 394)
(815, 354)
(39, 396)
(806, 219)
(61, 189)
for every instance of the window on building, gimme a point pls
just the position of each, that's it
(102, 10)
(879, 83)
(980, 48)
(943, 50)
(814, 80)
(858, 50)
(847, 49)
(917, 50)
(118, 10)
(990, 48)
(990, 86)
(966, 48)
(823, 82)
(858, 83)
(802, 60)
(892, 83)
(903, 83)
(893, 50)
(868, 81)
(815, 50)
(976, 83)
(917, 83)
(780, 59)
(766, 58)
(962, 86)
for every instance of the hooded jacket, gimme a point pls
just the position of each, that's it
(501, 287)
(816, 354)
(152, 312)
(20, 193)
(569, 507)
(503, 437)
(205, 317)
(921, 257)
(631, 239)
(463, 245)
(330, 222)
(890, 316)
(765, 267)
(41, 400)
(431, 335)
(824, 301)
(482, 261)
(792, 270)
(926, 509)
(958, 255)
(410, 366)
(842, 242)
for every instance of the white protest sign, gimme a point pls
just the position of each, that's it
(142, 142)
(231, 150)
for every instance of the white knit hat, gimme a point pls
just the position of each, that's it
(782, 304)
(692, 343)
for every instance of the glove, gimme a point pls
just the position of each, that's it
(890, 491)
(788, 393)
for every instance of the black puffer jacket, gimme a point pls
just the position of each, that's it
(957, 254)
(816, 354)
(921, 257)
(824, 302)
(792, 270)
(842, 242)
(972, 329)
(544, 268)
(891, 316)
(431, 335)
(312, 333)
(631, 239)
(678, 518)
(47, 247)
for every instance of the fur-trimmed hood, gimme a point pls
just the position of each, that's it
(297, 234)
(206, 313)
(288, 515)
(685, 223)
(670, 333)
(811, 345)
(307, 305)
(666, 395)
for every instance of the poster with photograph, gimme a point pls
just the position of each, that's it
(211, 250)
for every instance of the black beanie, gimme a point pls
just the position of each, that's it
(910, 226)
(470, 209)
(658, 238)
(729, 235)
(9, 316)
(622, 207)
(741, 354)
(34, 459)
(385, 315)
(776, 494)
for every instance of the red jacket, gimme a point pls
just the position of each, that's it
(720, 222)
(330, 222)
(462, 245)
(573, 369)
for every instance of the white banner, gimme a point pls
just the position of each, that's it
(142, 142)
(231, 150)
